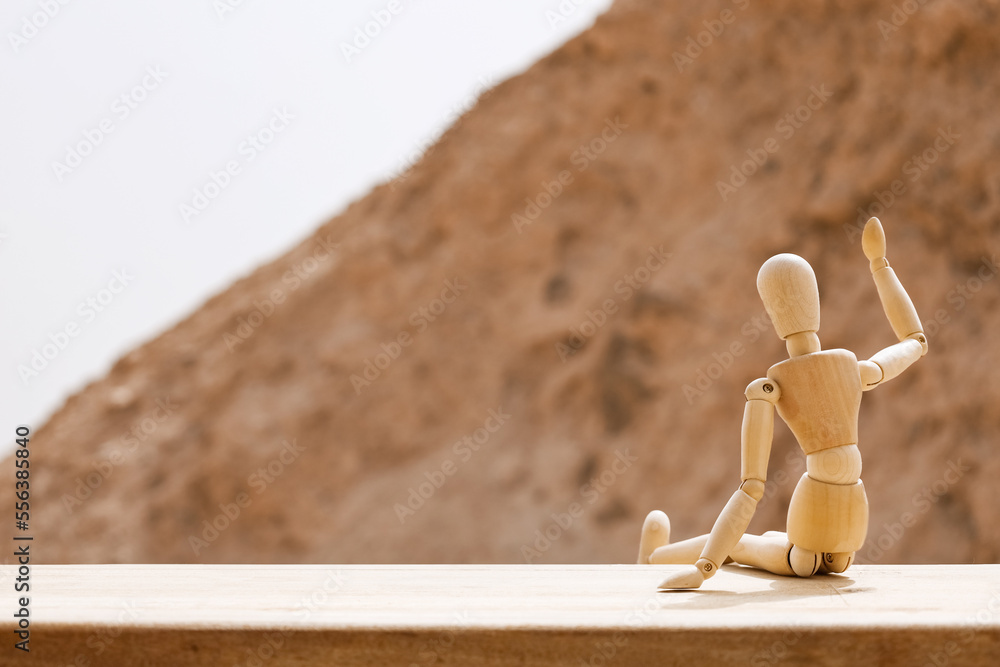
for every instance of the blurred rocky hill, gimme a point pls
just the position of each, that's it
(542, 331)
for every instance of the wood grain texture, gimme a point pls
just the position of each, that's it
(895, 359)
(897, 304)
(827, 518)
(499, 615)
(756, 435)
(787, 286)
(820, 398)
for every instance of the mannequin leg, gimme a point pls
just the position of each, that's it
(686, 552)
(655, 534)
(767, 552)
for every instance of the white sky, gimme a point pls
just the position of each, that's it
(220, 77)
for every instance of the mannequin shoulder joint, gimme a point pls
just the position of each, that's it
(763, 389)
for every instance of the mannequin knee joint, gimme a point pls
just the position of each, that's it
(803, 562)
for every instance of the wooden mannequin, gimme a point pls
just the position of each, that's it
(818, 393)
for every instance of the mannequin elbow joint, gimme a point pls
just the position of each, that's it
(753, 488)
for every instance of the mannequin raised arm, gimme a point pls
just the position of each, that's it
(893, 360)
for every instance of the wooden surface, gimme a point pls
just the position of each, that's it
(504, 614)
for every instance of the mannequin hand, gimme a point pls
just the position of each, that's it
(689, 577)
(873, 243)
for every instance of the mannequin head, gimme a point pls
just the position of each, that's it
(787, 286)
